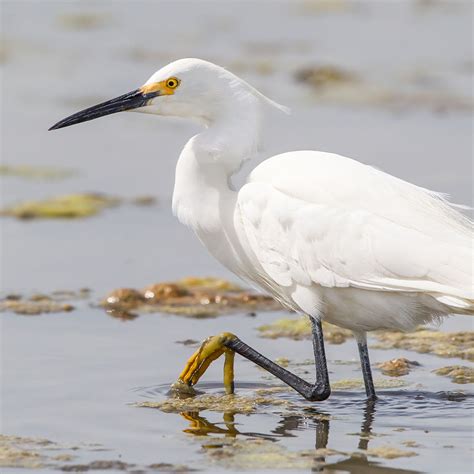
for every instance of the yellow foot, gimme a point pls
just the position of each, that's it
(211, 349)
(198, 425)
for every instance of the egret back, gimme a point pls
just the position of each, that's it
(319, 218)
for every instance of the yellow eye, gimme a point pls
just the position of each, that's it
(172, 83)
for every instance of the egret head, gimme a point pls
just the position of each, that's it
(189, 88)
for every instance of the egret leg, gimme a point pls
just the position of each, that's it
(366, 370)
(320, 390)
(217, 345)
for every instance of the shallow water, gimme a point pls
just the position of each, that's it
(73, 378)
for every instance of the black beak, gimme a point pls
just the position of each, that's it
(129, 101)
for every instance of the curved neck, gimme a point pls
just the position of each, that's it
(199, 189)
(202, 183)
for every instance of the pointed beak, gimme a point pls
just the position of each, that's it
(132, 100)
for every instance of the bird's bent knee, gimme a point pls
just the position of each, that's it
(318, 395)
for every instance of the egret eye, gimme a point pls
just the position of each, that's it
(172, 83)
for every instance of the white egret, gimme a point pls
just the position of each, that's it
(325, 235)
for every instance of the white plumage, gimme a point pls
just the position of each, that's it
(324, 234)
(355, 245)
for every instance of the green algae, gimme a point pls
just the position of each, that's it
(282, 361)
(331, 84)
(39, 303)
(457, 373)
(389, 452)
(98, 466)
(217, 403)
(427, 341)
(22, 452)
(259, 453)
(144, 201)
(39, 453)
(325, 76)
(300, 328)
(349, 384)
(32, 308)
(30, 453)
(82, 21)
(69, 206)
(35, 172)
(248, 454)
(261, 400)
(190, 297)
(317, 7)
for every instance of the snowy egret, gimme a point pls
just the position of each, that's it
(323, 234)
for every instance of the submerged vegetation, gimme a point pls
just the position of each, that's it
(298, 328)
(62, 207)
(457, 373)
(338, 86)
(71, 206)
(191, 297)
(444, 344)
(35, 172)
(218, 403)
(39, 303)
(82, 21)
(397, 367)
(39, 453)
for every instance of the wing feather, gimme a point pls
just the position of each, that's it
(342, 238)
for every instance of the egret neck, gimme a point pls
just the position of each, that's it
(203, 197)
(203, 194)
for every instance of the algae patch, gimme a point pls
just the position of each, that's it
(32, 308)
(444, 344)
(21, 452)
(317, 7)
(243, 454)
(325, 76)
(300, 328)
(98, 466)
(31, 453)
(35, 172)
(397, 367)
(82, 21)
(55, 302)
(191, 297)
(390, 452)
(348, 384)
(334, 85)
(457, 373)
(218, 403)
(69, 206)
(144, 201)
(37, 453)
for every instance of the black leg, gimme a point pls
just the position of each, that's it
(317, 392)
(366, 370)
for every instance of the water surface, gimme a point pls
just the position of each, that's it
(73, 378)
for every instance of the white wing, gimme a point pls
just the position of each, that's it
(317, 218)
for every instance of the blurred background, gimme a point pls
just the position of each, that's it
(386, 82)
